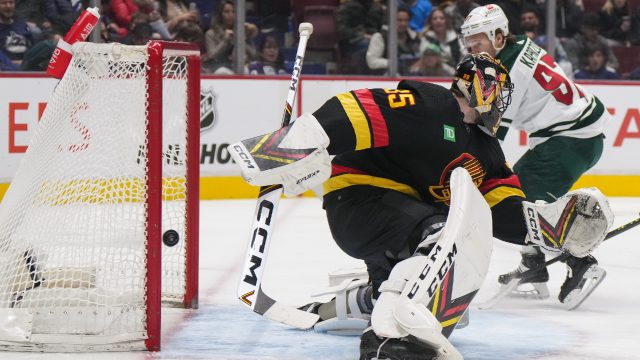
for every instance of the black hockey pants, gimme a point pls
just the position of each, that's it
(379, 226)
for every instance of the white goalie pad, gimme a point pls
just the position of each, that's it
(577, 222)
(463, 250)
(294, 156)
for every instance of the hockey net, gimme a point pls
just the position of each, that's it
(100, 223)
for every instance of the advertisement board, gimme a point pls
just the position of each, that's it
(234, 108)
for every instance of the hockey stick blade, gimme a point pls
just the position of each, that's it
(250, 286)
(502, 292)
(513, 283)
(284, 314)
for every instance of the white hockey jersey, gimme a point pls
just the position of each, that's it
(545, 102)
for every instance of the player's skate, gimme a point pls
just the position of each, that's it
(534, 287)
(583, 276)
(349, 311)
(373, 347)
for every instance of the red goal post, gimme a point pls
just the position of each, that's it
(99, 227)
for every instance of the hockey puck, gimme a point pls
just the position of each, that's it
(170, 238)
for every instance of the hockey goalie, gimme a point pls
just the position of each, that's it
(417, 189)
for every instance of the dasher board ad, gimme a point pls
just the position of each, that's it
(236, 108)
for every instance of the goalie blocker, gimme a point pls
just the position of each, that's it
(294, 156)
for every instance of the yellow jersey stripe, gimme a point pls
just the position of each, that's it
(358, 120)
(346, 180)
(500, 193)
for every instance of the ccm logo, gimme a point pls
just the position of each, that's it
(246, 158)
(309, 176)
(296, 73)
(442, 272)
(533, 224)
(261, 233)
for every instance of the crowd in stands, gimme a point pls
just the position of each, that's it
(597, 39)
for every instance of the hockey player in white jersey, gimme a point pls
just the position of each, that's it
(564, 123)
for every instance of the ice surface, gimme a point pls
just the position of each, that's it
(606, 326)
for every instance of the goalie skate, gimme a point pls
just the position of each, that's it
(373, 347)
(583, 277)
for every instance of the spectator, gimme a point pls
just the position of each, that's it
(458, 11)
(408, 45)
(530, 25)
(439, 32)
(177, 11)
(431, 63)
(568, 18)
(189, 31)
(38, 56)
(219, 40)
(121, 12)
(357, 21)
(595, 68)
(59, 10)
(5, 63)
(15, 34)
(420, 10)
(589, 36)
(530, 20)
(206, 9)
(619, 24)
(152, 9)
(109, 28)
(271, 61)
(141, 34)
(31, 12)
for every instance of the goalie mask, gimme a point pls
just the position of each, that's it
(486, 84)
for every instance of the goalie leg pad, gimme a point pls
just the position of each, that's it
(460, 256)
(396, 316)
(577, 222)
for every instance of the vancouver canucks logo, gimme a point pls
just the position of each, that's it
(442, 191)
(207, 109)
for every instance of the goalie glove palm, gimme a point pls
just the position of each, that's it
(294, 156)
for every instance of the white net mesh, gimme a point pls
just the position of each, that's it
(72, 224)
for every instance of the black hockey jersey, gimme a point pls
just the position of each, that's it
(409, 140)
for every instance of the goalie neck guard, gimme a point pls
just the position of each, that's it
(486, 84)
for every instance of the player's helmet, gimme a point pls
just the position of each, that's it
(486, 84)
(486, 19)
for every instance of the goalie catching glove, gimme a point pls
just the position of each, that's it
(295, 156)
(577, 222)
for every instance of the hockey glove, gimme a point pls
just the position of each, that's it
(577, 222)
(294, 156)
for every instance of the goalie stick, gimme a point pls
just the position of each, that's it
(520, 276)
(250, 290)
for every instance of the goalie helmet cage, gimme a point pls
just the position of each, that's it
(99, 226)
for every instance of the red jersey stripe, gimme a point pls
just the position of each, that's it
(339, 169)
(491, 184)
(378, 124)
